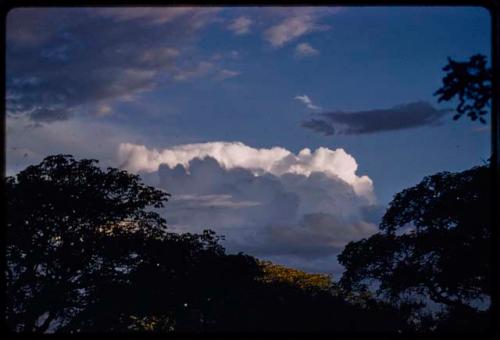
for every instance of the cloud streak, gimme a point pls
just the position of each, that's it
(372, 121)
(304, 99)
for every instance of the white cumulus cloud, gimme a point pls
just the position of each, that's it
(295, 209)
(277, 161)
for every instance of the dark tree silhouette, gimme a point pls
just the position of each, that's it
(86, 252)
(471, 83)
(434, 242)
(67, 224)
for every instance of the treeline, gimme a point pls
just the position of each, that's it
(85, 253)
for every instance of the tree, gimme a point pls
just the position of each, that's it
(86, 252)
(471, 83)
(70, 226)
(434, 243)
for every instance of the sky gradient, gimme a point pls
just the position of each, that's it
(288, 130)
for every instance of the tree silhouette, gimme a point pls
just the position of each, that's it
(434, 243)
(471, 83)
(67, 224)
(86, 252)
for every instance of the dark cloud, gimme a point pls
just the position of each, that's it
(319, 125)
(371, 121)
(63, 61)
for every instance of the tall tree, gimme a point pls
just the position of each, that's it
(70, 226)
(434, 243)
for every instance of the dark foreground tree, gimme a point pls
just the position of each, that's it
(69, 227)
(471, 83)
(434, 244)
(86, 252)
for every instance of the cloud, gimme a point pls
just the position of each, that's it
(360, 122)
(276, 160)
(198, 16)
(199, 70)
(67, 62)
(204, 69)
(295, 23)
(307, 102)
(305, 50)
(226, 74)
(318, 125)
(226, 55)
(292, 208)
(240, 25)
(70, 62)
(289, 29)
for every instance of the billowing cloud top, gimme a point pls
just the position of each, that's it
(295, 209)
(276, 160)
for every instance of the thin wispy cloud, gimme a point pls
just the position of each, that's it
(197, 16)
(240, 25)
(305, 50)
(291, 29)
(361, 122)
(195, 71)
(304, 99)
(296, 22)
(226, 74)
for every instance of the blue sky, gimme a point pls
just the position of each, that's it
(85, 81)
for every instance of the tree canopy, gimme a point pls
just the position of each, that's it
(87, 252)
(434, 243)
(65, 219)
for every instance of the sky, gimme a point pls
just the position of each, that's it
(286, 129)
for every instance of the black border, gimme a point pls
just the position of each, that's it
(493, 6)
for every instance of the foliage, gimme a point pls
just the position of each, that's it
(86, 252)
(297, 278)
(64, 221)
(435, 242)
(471, 83)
